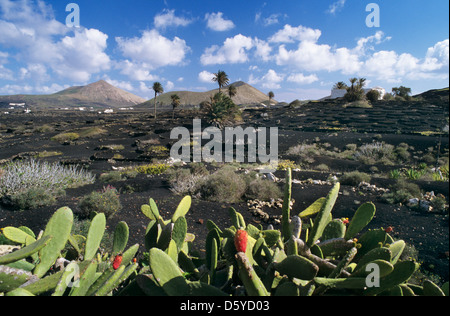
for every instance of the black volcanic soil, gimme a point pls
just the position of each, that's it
(318, 122)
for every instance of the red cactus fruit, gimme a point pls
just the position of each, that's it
(117, 262)
(240, 240)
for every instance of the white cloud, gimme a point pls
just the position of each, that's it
(147, 90)
(363, 44)
(154, 49)
(437, 57)
(53, 88)
(263, 49)
(4, 72)
(271, 80)
(125, 85)
(291, 34)
(205, 76)
(234, 50)
(16, 89)
(136, 71)
(302, 79)
(216, 22)
(394, 67)
(31, 28)
(82, 55)
(36, 72)
(336, 6)
(169, 86)
(167, 18)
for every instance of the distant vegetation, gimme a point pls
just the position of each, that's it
(30, 183)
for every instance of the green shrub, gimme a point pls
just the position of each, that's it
(402, 153)
(92, 131)
(394, 174)
(185, 181)
(24, 179)
(46, 154)
(113, 176)
(358, 104)
(155, 168)
(44, 129)
(223, 186)
(373, 95)
(322, 167)
(106, 201)
(378, 152)
(401, 192)
(263, 190)
(285, 164)
(65, 137)
(34, 197)
(413, 174)
(158, 151)
(354, 178)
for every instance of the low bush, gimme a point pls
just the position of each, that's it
(354, 178)
(228, 186)
(373, 95)
(65, 137)
(185, 181)
(378, 152)
(106, 201)
(33, 198)
(263, 190)
(154, 168)
(114, 176)
(24, 179)
(401, 192)
(91, 132)
(322, 167)
(223, 186)
(285, 164)
(358, 104)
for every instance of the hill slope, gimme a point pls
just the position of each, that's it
(97, 94)
(245, 94)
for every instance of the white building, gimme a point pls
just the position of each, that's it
(339, 93)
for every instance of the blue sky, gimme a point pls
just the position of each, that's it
(297, 49)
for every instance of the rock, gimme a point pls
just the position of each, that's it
(425, 206)
(4, 250)
(413, 202)
(270, 176)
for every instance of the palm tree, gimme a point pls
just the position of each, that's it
(353, 81)
(232, 91)
(158, 88)
(175, 103)
(340, 85)
(361, 82)
(271, 96)
(221, 78)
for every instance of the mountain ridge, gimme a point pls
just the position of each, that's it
(97, 94)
